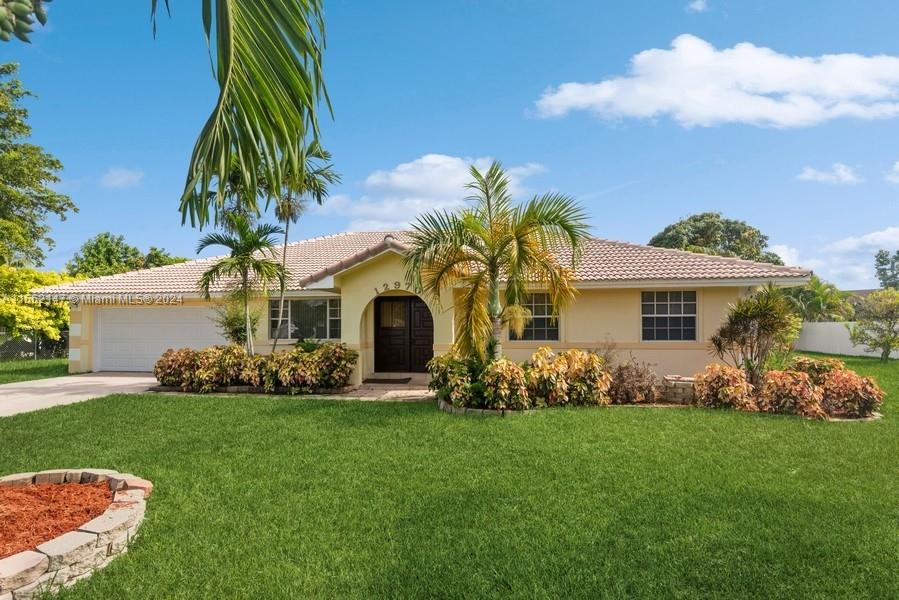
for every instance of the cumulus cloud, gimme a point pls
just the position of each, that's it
(697, 84)
(893, 174)
(395, 197)
(847, 262)
(838, 173)
(697, 6)
(118, 178)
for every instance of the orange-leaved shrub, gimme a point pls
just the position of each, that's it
(633, 382)
(505, 385)
(722, 386)
(547, 378)
(792, 393)
(175, 368)
(816, 368)
(450, 379)
(588, 378)
(847, 394)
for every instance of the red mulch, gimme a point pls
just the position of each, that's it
(33, 514)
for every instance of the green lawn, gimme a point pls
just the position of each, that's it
(281, 497)
(26, 370)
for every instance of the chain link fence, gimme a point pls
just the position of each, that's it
(32, 346)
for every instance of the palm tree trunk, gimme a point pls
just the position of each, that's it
(283, 285)
(246, 314)
(496, 318)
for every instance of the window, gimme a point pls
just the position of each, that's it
(543, 325)
(317, 319)
(669, 316)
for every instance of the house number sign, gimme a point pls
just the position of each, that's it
(386, 287)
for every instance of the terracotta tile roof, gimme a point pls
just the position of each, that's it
(604, 261)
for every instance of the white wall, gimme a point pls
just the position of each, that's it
(831, 338)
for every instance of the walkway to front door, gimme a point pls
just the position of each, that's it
(404, 335)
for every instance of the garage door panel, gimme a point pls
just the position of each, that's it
(132, 339)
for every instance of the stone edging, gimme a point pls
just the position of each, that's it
(75, 555)
(480, 412)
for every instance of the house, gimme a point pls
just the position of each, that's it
(660, 305)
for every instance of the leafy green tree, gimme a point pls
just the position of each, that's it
(311, 183)
(26, 171)
(267, 61)
(887, 268)
(819, 300)
(248, 270)
(491, 243)
(711, 233)
(877, 323)
(21, 314)
(108, 254)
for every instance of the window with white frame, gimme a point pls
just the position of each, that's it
(669, 316)
(309, 318)
(543, 326)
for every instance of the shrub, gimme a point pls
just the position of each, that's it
(847, 394)
(721, 386)
(308, 345)
(588, 379)
(633, 383)
(217, 366)
(816, 368)
(335, 364)
(547, 377)
(450, 379)
(231, 321)
(175, 367)
(792, 393)
(253, 371)
(505, 385)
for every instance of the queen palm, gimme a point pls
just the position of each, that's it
(496, 250)
(311, 184)
(249, 268)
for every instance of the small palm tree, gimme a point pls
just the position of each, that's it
(495, 242)
(251, 263)
(819, 300)
(312, 184)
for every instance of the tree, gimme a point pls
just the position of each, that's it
(26, 171)
(819, 300)
(887, 268)
(311, 183)
(19, 313)
(711, 233)
(877, 323)
(18, 16)
(249, 268)
(108, 254)
(267, 60)
(756, 327)
(492, 243)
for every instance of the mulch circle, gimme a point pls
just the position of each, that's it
(33, 514)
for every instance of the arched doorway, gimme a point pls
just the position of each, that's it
(403, 334)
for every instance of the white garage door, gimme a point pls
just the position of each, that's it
(132, 339)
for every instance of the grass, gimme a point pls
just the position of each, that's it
(280, 497)
(27, 370)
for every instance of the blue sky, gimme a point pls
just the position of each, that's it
(734, 111)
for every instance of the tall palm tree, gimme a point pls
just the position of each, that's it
(251, 263)
(312, 183)
(819, 300)
(494, 242)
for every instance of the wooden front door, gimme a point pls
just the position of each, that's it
(404, 335)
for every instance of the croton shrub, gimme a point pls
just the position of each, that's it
(328, 366)
(812, 388)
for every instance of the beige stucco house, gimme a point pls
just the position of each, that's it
(659, 305)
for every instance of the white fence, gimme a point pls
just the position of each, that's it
(831, 338)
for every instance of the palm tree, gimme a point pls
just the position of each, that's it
(491, 242)
(312, 183)
(819, 300)
(251, 262)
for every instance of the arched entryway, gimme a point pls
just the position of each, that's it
(403, 334)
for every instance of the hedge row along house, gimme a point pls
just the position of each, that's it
(660, 305)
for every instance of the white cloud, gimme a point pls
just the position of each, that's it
(697, 84)
(118, 178)
(893, 174)
(395, 197)
(847, 262)
(697, 6)
(838, 173)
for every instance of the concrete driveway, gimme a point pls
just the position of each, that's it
(26, 396)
